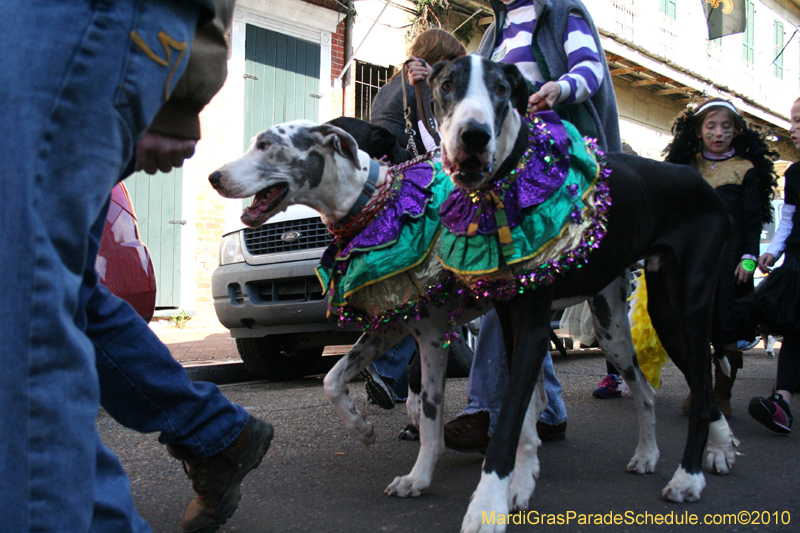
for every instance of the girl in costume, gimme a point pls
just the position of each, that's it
(778, 299)
(735, 159)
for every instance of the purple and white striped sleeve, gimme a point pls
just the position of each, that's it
(583, 60)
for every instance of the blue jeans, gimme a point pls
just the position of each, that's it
(394, 364)
(488, 377)
(77, 94)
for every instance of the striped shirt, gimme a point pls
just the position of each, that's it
(585, 69)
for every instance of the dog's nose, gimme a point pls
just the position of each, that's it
(214, 178)
(475, 136)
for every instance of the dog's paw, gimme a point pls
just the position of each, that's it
(488, 508)
(522, 486)
(364, 431)
(407, 487)
(684, 487)
(643, 462)
(721, 449)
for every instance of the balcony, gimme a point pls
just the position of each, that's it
(683, 45)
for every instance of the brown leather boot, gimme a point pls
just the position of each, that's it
(468, 433)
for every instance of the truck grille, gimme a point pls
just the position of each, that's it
(278, 237)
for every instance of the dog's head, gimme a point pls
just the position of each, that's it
(478, 105)
(285, 165)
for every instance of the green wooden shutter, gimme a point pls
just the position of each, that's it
(777, 65)
(668, 8)
(748, 37)
(281, 80)
(157, 204)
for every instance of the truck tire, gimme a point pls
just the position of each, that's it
(267, 359)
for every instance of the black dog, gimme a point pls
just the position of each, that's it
(664, 213)
(376, 140)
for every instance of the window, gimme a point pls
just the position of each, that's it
(777, 65)
(667, 7)
(369, 78)
(748, 37)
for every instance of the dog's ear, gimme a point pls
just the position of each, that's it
(381, 140)
(519, 88)
(437, 68)
(340, 140)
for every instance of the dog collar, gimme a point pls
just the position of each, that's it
(365, 196)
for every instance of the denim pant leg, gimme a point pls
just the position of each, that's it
(488, 377)
(144, 388)
(76, 96)
(394, 363)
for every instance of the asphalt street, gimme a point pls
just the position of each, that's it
(317, 478)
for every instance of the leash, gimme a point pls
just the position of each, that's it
(424, 110)
(363, 210)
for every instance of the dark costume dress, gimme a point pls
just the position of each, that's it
(778, 296)
(735, 181)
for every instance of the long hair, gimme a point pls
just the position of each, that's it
(433, 46)
(749, 142)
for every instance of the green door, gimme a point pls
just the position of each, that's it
(157, 204)
(281, 80)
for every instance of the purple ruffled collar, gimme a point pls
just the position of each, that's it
(542, 169)
(411, 192)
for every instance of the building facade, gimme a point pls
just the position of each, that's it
(287, 58)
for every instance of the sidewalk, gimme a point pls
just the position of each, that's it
(198, 347)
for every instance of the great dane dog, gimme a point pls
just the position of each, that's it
(661, 212)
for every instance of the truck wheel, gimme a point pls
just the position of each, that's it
(267, 359)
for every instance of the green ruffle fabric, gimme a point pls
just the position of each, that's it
(540, 224)
(412, 246)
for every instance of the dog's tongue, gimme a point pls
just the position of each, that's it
(262, 202)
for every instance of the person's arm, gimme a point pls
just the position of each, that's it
(175, 130)
(585, 69)
(751, 225)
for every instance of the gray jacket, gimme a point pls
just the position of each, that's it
(597, 116)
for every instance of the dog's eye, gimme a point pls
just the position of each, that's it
(500, 90)
(447, 85)
(263, 145)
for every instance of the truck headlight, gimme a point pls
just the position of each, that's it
(230, 249)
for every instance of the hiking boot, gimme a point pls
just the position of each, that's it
(550, 433)
(380, 390)
(773, 412)
(216, 479)
(468, 433)
(610, 386)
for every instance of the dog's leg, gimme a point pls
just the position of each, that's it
(526, 321)
(433, 360)
(526, 468)
(413, 403)
(368, 348)
(613, 330)
(679, 303)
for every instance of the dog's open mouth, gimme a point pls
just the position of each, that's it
(467, 171)
(263, 204)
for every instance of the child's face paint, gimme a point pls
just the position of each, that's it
(794, 129)
(717, 131)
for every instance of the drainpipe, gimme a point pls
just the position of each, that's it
(344, 76)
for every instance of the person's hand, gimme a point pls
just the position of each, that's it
(160, 152)
(765, 263)
(417, 70)
(545, 98)
(741, 275)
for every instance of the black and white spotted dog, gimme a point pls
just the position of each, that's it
(660, 211)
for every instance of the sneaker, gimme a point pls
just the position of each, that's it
(773, 412)
(216, 479)
(609, 387)
(743, 346)
(380, 390)
(468, 433)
